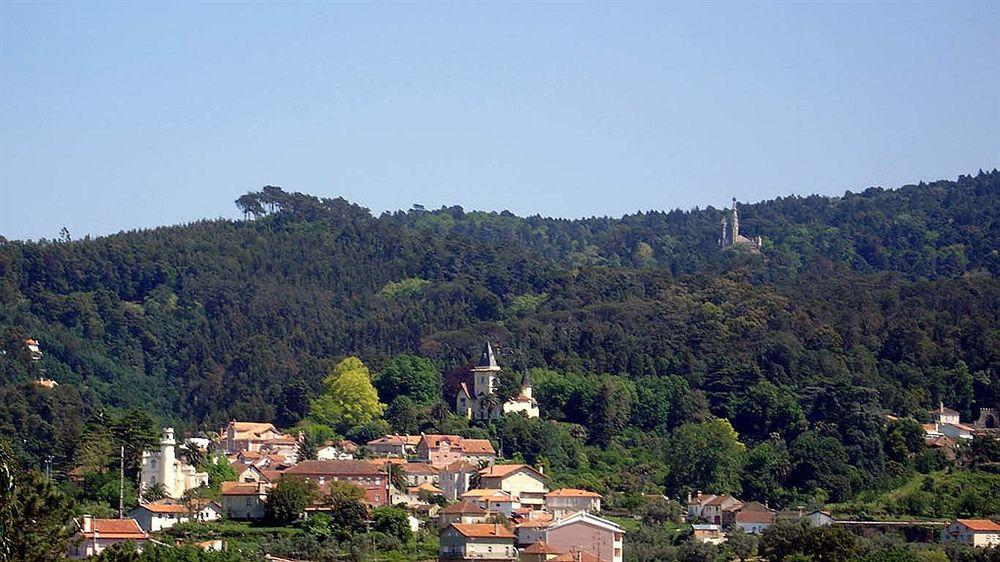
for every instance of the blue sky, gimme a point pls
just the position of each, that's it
(117, 116)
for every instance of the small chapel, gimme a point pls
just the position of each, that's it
(482, 402)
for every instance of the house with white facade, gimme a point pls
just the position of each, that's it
(166, 513)
(980, 533)
(95, 535)
(565, 501)
(526, 484)
(477, 541)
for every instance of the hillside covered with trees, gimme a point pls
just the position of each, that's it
(645, 340)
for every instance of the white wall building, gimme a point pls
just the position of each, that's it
(163, 467)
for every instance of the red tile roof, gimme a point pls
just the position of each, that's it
(572, 493)
(115, 529)
(503, 470)
(478, 447)
(420, 468)
(165, 506)
(484, 530)
(239, 488)
(463, 508)
(576, 556)
(980, 525)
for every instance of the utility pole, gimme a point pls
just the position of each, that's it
(121, 483)
(48, 468)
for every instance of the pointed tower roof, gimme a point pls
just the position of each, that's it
(487, 361)
(525, 380)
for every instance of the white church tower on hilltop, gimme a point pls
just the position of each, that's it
(163, 467)
(482, 402)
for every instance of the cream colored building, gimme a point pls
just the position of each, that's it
(980, 533)
(565, 501)
(524, 483)
(477, 541)
(162, 467)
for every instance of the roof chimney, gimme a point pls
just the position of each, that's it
(496, 528)
(86, 523)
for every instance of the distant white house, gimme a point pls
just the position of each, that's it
(980, 533)
(163, 514)
(94, 535)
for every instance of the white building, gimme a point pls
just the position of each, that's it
(94, 535)
(163, 514)
(980, 533)
(162, 467)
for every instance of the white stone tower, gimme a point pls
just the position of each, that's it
(166, 475)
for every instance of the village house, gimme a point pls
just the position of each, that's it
(813, 517)
(456, 478)
(443, 450)
(94, 535)
(754, 517)
(246, 472)
(462, 512)
(710, 533)
(525, 484)
(712, 508)
(394, 445)
(162, 467)
(980, 533)
(482, 403)
(163, 514)
(363, 474)
(247, 436)
(244, 500)
(539, 551)
(493, 501)
(588, 533)
(565, 501)
(477, 541)
(343, 450)
(532, 528)
(945, 423)
(417, 473)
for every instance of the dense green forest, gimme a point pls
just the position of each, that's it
(640, 332)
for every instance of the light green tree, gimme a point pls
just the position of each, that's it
(348, 397)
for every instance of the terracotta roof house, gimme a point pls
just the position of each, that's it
(244, 500)
(456, 479)
(461, 512)
(565, 501)
(754, 517)
(979, 533)
(166, 513)
(532, 529)
(363, 474)
(493, 501)
(477, 541)
(95, 535)
(539, 551)
(576, 556)
(443, 450)
(418, 473)
(394, 445)
(525, 483)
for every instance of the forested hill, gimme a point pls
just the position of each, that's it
(884, 300)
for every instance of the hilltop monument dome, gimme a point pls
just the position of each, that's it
(482, 402)
(731, 236)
